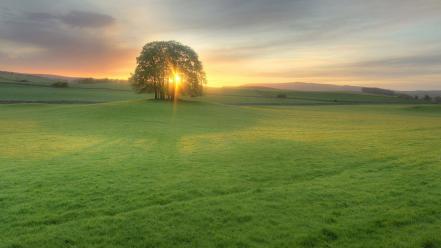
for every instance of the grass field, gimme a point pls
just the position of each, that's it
(267, 96)
(231, 96)
(20, 87)
(213, 172)
(80, 93)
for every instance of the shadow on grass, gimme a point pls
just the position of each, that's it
(179, 101)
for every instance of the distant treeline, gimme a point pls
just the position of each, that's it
(379, 91)
(385, 92)
(427, 98)
(60, 84)
(99, 81)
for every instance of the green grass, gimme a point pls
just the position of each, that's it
(23, 87)
(107, 92)
(267, 96)
(24, 78)
(142, 173)
(237, 167)
(75, 93)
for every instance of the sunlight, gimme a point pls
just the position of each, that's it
(177, 79)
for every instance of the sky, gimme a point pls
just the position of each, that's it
(382, 43)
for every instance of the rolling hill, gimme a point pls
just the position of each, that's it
(299, 86)
(23, 78)
(20, 87)
(422, 93)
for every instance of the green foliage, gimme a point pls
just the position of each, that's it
(213, 175)
(159, 61)
(427, 98)
(99, 81)
(60, 84)
(378, 91)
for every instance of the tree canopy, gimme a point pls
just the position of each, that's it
(168, 69)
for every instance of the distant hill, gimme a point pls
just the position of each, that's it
(23, 78)
(422, 93)
(271, 96)
(18, 77)
(34, 77)
(298, 86)
(26, 88)
(57, 77)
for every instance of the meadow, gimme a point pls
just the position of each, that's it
(231, 169)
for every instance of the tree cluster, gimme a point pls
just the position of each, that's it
(168, 69)
(378, 91)
(99, 81)
(60, 84)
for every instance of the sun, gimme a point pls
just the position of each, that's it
(177, 79)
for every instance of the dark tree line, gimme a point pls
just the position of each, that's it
(99, 81)
(378, 91)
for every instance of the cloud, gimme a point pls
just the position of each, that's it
(389, 67)
(282, 15)
(40, 16)
(72, 42)
(275, 40)
(87, 19)
(419, 60)
(81, 19)
(244, 30)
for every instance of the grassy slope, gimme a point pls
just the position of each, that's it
(33, 88)
(18, 92)
(38, 90)
(256, 96)
(24, 78)
(147, 174)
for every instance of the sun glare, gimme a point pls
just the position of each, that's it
(177, 79)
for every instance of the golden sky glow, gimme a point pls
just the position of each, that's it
(394, 44)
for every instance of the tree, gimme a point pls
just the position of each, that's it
(427, 98)
(378, 91)
(60, 84)
(168, 69)
(281, 95)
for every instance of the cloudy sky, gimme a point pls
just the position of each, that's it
(385, 43)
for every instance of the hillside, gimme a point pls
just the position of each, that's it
(19, 87)
(16, 87)
(57, 77)
(422, 93)
(269, 96)
(23, 78)
(299, 86)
